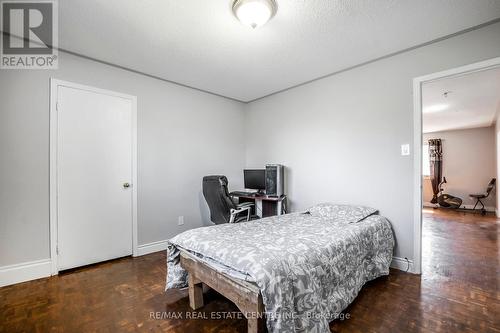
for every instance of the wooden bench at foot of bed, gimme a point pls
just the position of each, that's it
(245, 295)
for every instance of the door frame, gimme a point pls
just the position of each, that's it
(417, 145)
(54, 85)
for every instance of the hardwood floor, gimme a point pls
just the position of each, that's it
(459, 291)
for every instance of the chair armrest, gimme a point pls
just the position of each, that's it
(245, 204)
(235, 212)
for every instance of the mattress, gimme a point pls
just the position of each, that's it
(217, 266)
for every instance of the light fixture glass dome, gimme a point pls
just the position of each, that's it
(254, 13)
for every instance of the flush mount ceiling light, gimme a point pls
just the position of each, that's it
(254, 13)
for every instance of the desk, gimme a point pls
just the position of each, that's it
(265, 206)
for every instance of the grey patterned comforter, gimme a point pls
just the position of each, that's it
(308, 267)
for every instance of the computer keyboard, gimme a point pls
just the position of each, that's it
(243, 194)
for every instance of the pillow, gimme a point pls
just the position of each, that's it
(341, 213)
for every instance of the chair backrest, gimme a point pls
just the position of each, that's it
(490, 187)
(218, 199)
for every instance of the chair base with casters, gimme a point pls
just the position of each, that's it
(481, 196)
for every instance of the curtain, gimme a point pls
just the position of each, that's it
(436, 164)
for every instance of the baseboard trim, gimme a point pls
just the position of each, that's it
(487, 208)
(38, 269)
(23, 272)
(151, 248)
(402, 264)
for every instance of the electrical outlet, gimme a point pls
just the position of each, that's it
(180, 220)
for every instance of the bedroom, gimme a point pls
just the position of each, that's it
(324, 88)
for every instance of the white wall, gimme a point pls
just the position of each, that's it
(183, 134)
(340, 136)
(468, 163)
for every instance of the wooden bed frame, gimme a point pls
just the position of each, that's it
(245, 295)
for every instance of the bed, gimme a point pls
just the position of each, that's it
(300, 270)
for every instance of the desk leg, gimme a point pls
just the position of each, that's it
(258, 207)
(280, 207)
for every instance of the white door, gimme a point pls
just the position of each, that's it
(94, 176)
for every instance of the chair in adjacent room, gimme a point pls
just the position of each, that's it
(482, 196)
(222, 207)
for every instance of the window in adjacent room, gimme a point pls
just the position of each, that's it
(426, 166)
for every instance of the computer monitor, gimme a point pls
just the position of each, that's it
(255, 179)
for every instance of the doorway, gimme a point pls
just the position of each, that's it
(418, 85)
(93, 175)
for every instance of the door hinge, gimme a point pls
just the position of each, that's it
(57, 249)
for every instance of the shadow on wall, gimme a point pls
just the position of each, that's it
(288, 187)
(204, 211)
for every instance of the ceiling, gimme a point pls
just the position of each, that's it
(473, 101)
(200, 44)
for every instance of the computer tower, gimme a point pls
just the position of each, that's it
(275, 180)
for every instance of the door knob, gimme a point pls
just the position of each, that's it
(126, 185)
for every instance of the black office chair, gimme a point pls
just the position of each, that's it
(480, 196)
(222, 208)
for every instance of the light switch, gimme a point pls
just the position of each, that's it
(405, 149)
